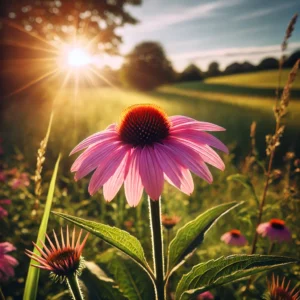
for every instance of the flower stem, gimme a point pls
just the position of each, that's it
(157, 247)
(74, 287)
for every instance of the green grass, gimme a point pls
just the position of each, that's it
(262, 79)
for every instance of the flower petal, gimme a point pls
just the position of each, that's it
(96, 138)
(181, 122)
(151, 173)
(174, 172)
(207, 154)
(189, 158)
(114, 183)
(92, 158)
(133, 182)
(200, 137)
(107, 168)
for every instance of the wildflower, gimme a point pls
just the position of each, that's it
(128, 224)
(21, 181)
(3, 212)
(275, 230)
(146, 148)
(2, 176)
(277, 291)
(234, 238)
(205, 296)
(63, 260)
(7, 262)
(169, 222)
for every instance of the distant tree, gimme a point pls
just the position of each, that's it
(268, 64)
(146, 67)
(247, 67)
(213, 69)
(190, 73)
(236, 68)
(62, 20)
(291, 60)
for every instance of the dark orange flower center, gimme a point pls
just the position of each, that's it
(277, 223)
(63, 261)
(143, 125)
(280, 293)
(235, 233)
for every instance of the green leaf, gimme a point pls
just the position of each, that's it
(246, 182)
(192, 234)
(116, 237)
(132, 280)
(213, 273)
(99, 286)
(31, 284)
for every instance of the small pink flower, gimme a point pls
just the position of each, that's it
(205, 296)
(146, 148)
(275, 230)
(3, 212)
(7, 262)
(234, 238)
(20, 181)
(2, 176)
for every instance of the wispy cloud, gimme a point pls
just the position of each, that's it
(264, 12)
(184, 14)
(233, 52)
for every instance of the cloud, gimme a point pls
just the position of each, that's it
(183, 14)
(264, 12)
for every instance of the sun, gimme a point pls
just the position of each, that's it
(78, 57)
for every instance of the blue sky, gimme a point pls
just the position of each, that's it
(199, 31)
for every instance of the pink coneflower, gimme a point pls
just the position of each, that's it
(7, 262)
(205, 296)
(275, 230)
(145, 148)
(64, 259)
(278, 291)
(3, 212)
(234, 238)
(21, 181)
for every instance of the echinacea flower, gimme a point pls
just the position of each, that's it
(205, 296)
(21, 181)
(145, 148)
(234, 238)
(3, 212)
(275, 230)
(7, 262)
(277, 291)
(169, 222)
(63, 259)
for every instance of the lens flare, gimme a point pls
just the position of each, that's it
(78, 57)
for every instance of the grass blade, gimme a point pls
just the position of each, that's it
(33, 273)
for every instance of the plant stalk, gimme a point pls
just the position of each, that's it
(157, 247)
(74, 287)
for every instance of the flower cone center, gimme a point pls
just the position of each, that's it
(277, 224)
(235, 233)
(143, 125)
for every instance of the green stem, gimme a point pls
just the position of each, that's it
(74, 288)
(271, 249)
(157, 247)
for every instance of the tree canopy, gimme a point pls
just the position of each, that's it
(146, 67)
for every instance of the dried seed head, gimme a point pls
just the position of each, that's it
(289, 31)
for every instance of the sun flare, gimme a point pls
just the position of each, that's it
(78, 57)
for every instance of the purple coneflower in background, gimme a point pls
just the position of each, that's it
(7, 262)
(234, 237)
(205, 296)
(169, 221)
(145, 148)
(275, 230)
(3, 212)
(63, 259)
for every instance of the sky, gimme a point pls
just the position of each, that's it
(202, 31)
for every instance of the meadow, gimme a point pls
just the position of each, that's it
(233, 102)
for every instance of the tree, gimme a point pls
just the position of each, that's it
(268, 64)
(289, 63)
(191, 73)
(146, 67)
(213, 69)
(62, 20)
